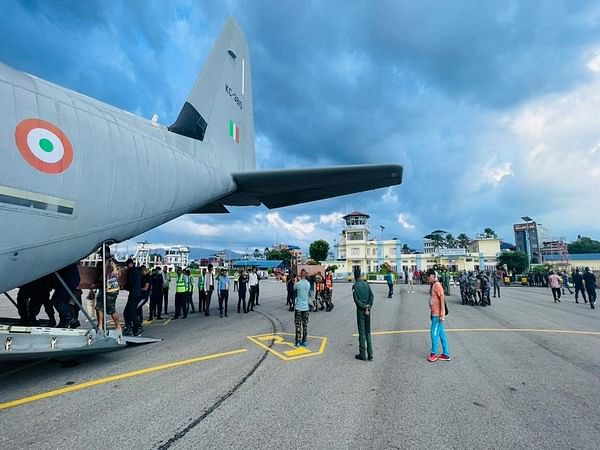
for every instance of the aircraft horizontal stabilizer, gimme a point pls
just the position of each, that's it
(285, 187)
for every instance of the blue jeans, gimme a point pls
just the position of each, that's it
(437, 332)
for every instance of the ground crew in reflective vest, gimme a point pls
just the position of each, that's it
(363, 298)
(180, 294)
(190, 291)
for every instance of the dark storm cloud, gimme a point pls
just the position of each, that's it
(423, 84)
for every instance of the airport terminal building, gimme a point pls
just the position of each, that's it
(358, 251)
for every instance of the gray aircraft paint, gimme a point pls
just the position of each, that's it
(128, 174)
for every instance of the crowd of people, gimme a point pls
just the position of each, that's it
(476, 286)
(305, 293)
(583, 283)
(143, 286)
(320, 293)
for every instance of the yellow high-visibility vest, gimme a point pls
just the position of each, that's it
(180, 284)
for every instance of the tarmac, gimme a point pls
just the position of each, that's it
(524, 374)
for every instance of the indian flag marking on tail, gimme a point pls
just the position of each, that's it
(234, 131)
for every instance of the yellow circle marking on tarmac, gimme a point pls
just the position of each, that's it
(122, 376)
(491, 330)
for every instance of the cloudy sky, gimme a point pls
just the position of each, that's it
(493, 108)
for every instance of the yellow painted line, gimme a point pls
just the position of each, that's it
(491, 330)
(122, 376)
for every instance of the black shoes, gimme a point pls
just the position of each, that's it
(361, 357)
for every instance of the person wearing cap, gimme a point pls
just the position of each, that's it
(363, 298)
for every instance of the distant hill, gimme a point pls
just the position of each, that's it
(199, 253)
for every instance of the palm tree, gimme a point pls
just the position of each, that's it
(437, 241)
(450, 241)
(489, 233)
(462, 240)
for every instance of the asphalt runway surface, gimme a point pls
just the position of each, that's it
(514, 381)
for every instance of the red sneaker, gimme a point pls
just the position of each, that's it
(443, 357)
(432, 357)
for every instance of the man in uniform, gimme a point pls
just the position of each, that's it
(301, 309)
(180, 294)
(134, 286)
(363, 298)
(156, 294)
(578, 283)
(590, 286)
(319, 288)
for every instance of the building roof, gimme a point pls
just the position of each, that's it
(429, 236)
(259, 264)
(575, 257)
(356, 213)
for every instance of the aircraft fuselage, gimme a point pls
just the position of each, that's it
(127, 175)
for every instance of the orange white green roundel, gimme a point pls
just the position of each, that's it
(44, 146)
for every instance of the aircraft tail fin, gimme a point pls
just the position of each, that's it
(219, 109)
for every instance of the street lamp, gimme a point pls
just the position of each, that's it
(382, 251)
(527, 220)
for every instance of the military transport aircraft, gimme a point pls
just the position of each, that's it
(76, 173)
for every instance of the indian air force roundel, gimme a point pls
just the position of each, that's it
(44, 146)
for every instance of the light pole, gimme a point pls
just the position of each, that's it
(382, 228)
(527, 220)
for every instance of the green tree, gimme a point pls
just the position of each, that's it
(584, 245)
(405, 249)
(319, 250)
(450, 241)
(489, 233)
(332, 268)
(281, 255)
(515, 261)
(256, 253)
(462, 240)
